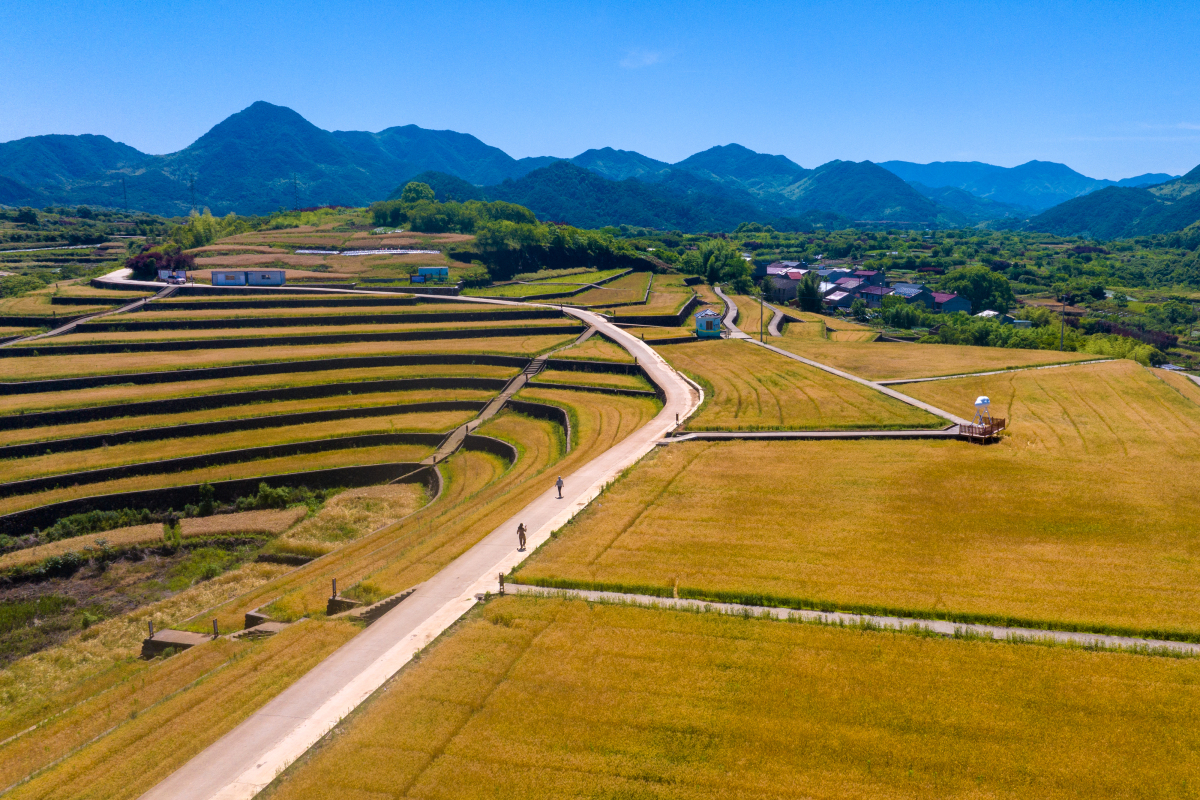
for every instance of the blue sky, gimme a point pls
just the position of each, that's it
(1107, 88)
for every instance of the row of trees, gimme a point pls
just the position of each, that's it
(204, 229)
(508, 248)
(149, 260)
(719, 261)
(421, 212)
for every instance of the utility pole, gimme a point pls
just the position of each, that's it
(1062, 327)
(761, 304)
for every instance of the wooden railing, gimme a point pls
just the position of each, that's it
(982, 432)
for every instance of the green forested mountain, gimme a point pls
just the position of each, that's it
(13, 193)
(569, 193)
(617, 165)
(1120, 212)
(57, 160)
(975, 209)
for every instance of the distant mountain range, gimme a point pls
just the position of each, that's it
(267, 157)
(1037, 185)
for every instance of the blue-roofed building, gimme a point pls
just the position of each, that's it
(913, 293)
(708, 324)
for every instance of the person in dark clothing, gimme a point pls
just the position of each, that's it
(559, 485)
(521, 536)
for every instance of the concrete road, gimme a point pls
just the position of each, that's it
(245, 760)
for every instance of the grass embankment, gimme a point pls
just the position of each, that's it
(479, 491)
(248, 523)
(750, 388)
(667, 295)
(132, 334)
(887, 360)
(38, 305)
(138, 452)
(592, 379)
(1040, 529)
(250, 469)
(182, 705)
(67, 366)
(553, 698)
(402, 420)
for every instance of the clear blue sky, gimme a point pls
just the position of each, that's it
(1109, 88)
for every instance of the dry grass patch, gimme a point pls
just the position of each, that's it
(251, 523)
(351, 514)
(65, 366)
(887, 360)
(551, 698)
(750, 388)
(1084, 516)
(150, 743)
(36, 687)
(853, 336)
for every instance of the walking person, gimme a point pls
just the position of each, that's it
(521, 537)
(559, 485)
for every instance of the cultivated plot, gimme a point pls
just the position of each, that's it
(750, 388)
(551, 698)
(1058, 525)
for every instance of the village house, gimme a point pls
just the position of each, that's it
(914, 293)
(873, 295)
(949, 303)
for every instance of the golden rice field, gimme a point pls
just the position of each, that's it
(879, 361)
(596, 348)
(250, 469)
(139, 452)
(628, 289)
(251, 523)
(751, 314)
(564, 699)
(127, 393)
(750, 388)
(139, 741)
(853, 336)
(1083, 516)
(401, 420)
(38, 305)
(132, 334)
(592, 379)
(162, 310)
(62, 366)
